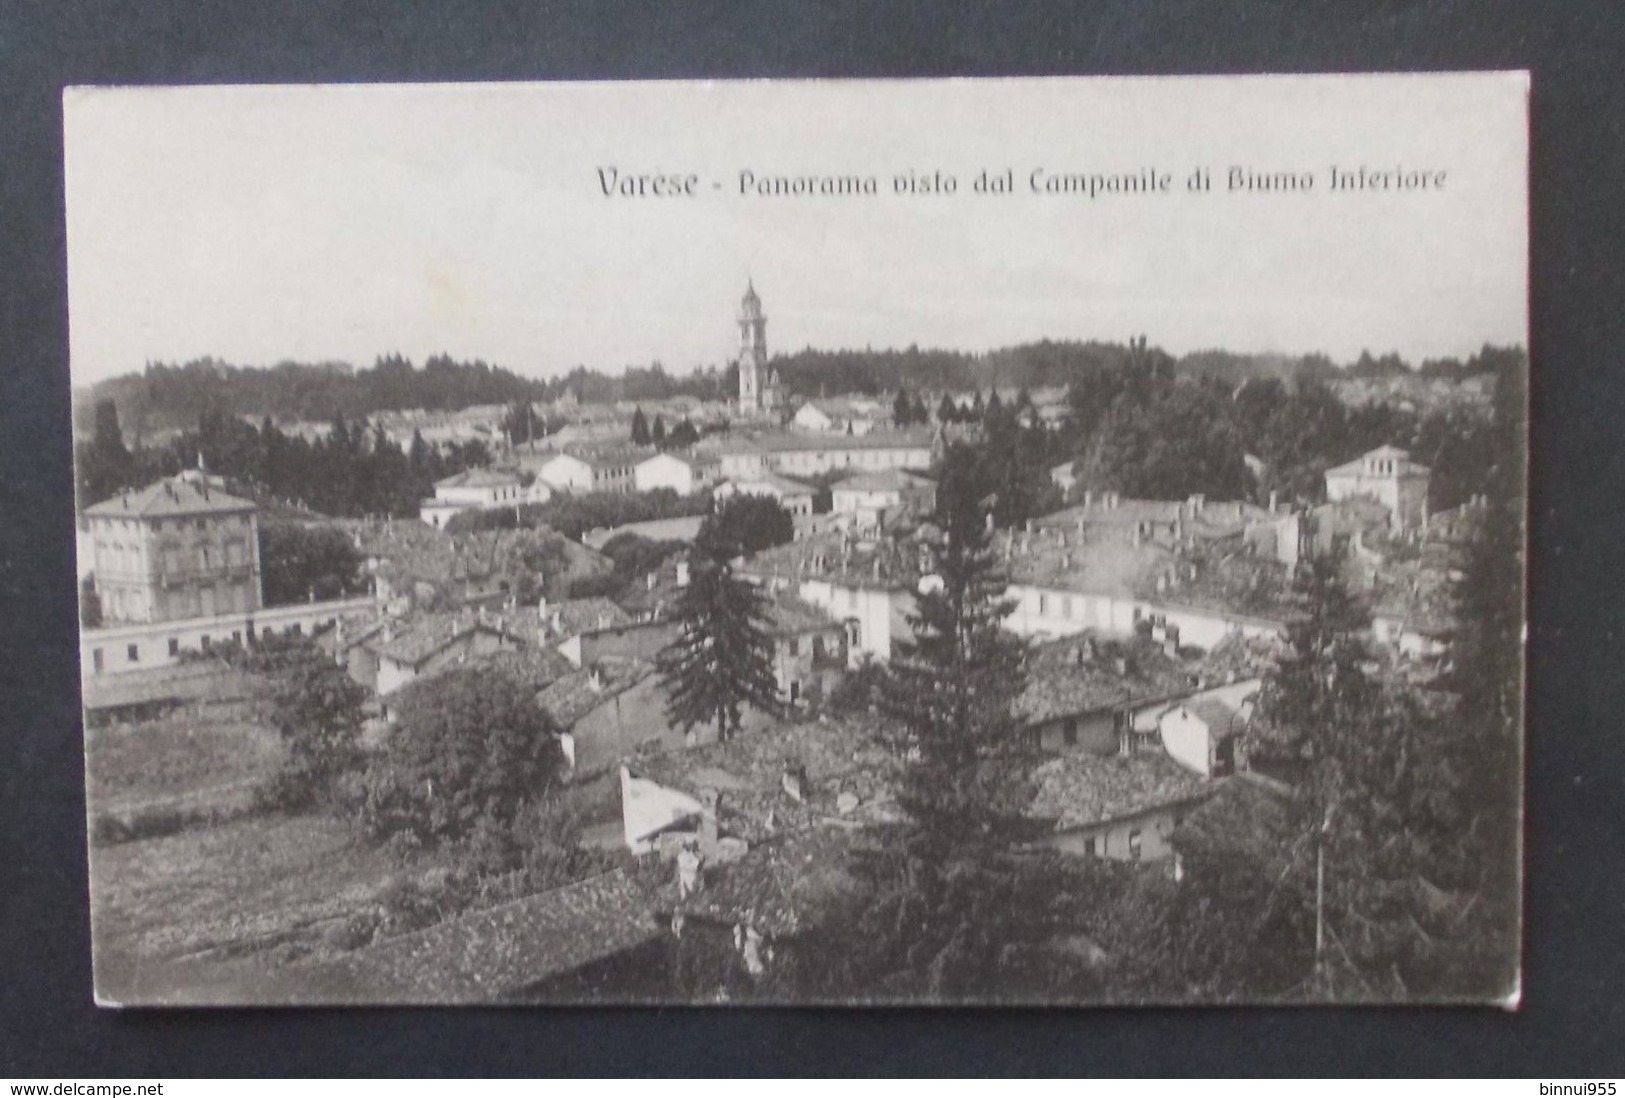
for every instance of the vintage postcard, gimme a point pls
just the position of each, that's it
(1040, 541)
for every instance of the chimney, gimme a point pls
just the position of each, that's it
(649, 582)
(541, 606)
(794, 782)
(682, 573)
(595, 680)
(1275, 500)
(1120, 665)
(1197, 502)
(1088, 498)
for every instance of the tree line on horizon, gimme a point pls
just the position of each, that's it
(166, 397)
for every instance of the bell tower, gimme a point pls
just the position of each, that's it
(752, 350)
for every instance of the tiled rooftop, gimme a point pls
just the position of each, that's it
(789, 615)
(575, 695)
(884, 562)
(890, 480)
(479, 478)
(782, 441)
(1079, 789)
(1078, 674)
(838, 756)
(411, 641)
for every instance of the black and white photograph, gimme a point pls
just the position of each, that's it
(1042, 541)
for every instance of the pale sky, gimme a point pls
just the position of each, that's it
(258, 224)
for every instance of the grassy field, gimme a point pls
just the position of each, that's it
(187, 872)
(183, 754)
(169, 914)
(198, 892)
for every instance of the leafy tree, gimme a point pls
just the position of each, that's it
(640, 428)
(470, 749)
(1174, 444)
(682, 436)
(657, 433)
(744, 524)
(90, 604)
(104, 464)
(636, 556)
(947, 411)
(721, 661)
(300, 563)
(316, 709)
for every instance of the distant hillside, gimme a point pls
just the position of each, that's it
(1234, 368)
(809, 373)
(164, 399)
(167, 398)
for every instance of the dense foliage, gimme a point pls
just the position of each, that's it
(307, 563)
(469, 750)
(316, 710)
(746, 523)
(175, 397)
(1144, 429)
(351, 472)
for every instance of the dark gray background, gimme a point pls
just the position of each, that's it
(1572, 1022)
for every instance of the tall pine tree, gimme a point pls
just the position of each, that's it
(721, 659)
(954, 684)
(935, 918)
